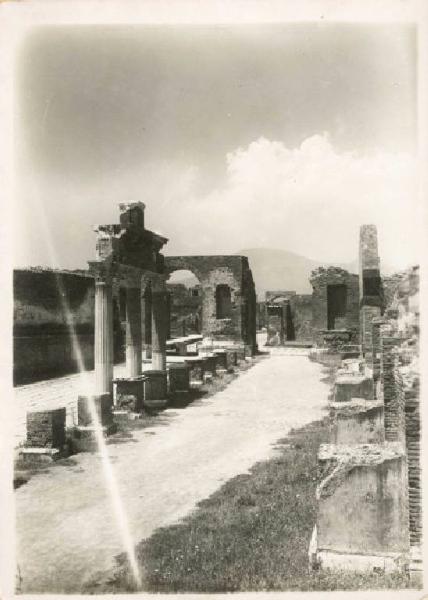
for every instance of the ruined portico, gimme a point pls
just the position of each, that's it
(228, 296)
(128, 256)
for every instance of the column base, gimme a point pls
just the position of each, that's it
(129, 393)
(155, 388)
(178, 378)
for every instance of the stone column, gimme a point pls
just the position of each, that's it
(133, 332)
(103, 338)
(146, 323)
(159, 328)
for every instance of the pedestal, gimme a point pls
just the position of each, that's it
(159, 330)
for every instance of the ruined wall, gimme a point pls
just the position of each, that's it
(231, 271)
(296, 317)
(41, 336)
(371, 292)
(388, 447)
(320, 279)
(301, 310)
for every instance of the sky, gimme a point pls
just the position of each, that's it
(282, 136)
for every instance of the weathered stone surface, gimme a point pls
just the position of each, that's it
(178, 378)
(221, 272)
(130, 393)
(362, 499)
(350, 386)
(155, 385)
(46, 429)
(358, 421)
(320, 280)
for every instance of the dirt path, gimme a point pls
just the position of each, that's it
(66, 531)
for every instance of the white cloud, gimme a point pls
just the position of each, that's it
(310, 200)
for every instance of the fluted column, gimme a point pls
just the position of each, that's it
(103, 338)
(133, 332)
(159, 329)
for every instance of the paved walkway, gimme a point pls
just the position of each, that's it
(54, 393)
(67, 532)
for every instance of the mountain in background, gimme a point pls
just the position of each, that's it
(275, 269)
(283, 270)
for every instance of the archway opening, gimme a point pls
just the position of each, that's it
(223, 301)
(185, 298)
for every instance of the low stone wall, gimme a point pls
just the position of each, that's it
(46, 429)
(369, 492)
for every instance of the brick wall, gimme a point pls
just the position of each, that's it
(393, 407)
(320, 279)
(46, 429)
(233, 271)
(408, 391)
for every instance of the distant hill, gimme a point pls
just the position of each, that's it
(279, 270)
(283, 270)
(275, 269)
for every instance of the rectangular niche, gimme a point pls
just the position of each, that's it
(336, 304)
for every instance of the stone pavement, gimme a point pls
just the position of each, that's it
(67, 531)
(53, 393)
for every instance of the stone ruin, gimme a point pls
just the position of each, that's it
(369, 487)
(125, 291)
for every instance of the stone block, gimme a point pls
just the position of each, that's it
(129, 393)
(46, 429)
(155, 386)
(39, 455)
(357, 421)
(351, 386)
(211, 363)
(101, 403)
(222, 362)
(178, 378)
(362, 516)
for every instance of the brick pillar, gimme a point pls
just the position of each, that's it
(390, 396)
(409, 389)
(133, 332)
(103, 338)
(376, 348)
(159, 330)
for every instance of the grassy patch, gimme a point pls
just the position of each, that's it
(252, 534)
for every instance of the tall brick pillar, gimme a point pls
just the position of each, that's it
(392, 407)
(370, 285)
(103, 338)
(133, 332)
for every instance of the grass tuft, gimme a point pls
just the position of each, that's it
(251, 535)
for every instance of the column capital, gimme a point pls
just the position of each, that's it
(102, 271)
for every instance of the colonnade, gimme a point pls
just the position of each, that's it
(146, 326)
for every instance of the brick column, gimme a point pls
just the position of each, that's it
(390, 396)
(159, 329)
(410, 391)
(376, 347)
(103, 338)
(133, 332)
